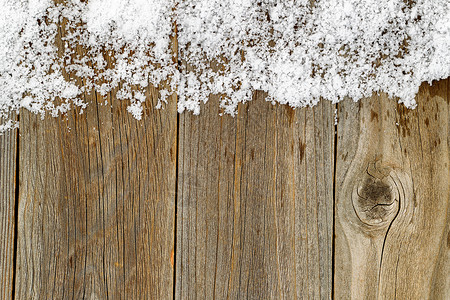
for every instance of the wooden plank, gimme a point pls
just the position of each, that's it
(255, 202)
(97, 201)
(8, 152)
(392, 220)
(96, 205)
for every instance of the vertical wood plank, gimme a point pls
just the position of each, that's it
(97, 200)
(8, 152)
(255, 202)
(392, 221)
(96, 204)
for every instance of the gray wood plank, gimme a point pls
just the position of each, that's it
(255, 202)
(392, 221)
(97, 200)
(8, 152)
(97, 203)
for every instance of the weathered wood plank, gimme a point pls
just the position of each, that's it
(97, 201)
(255, 202)
(8, 152)
(392, 221)
(96, 204)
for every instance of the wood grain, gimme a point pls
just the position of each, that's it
(392, 179)
(270, 204)
(8, 152)
(96, 205)
(255, 202)
(97, 200)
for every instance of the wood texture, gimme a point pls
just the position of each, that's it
(270, 204)
(96, 205)
(392, 198)
(96, 213)
(255, 202)
(8, 152)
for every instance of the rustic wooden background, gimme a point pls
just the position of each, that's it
(274, 203)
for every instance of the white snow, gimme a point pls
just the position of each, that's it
(298, 51)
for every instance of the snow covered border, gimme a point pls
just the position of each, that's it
(298, 51)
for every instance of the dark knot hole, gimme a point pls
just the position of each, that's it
(375, 201)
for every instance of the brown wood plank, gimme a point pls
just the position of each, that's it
(96, 205)
(255, 202)
(97, 201)
(8, 152)
(392, 206)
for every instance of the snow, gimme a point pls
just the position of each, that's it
(298, 51)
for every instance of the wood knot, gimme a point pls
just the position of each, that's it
(376, 197)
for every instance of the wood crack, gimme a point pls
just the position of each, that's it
(16, 211)
(333, 232)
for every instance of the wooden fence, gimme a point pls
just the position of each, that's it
(274, 203)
